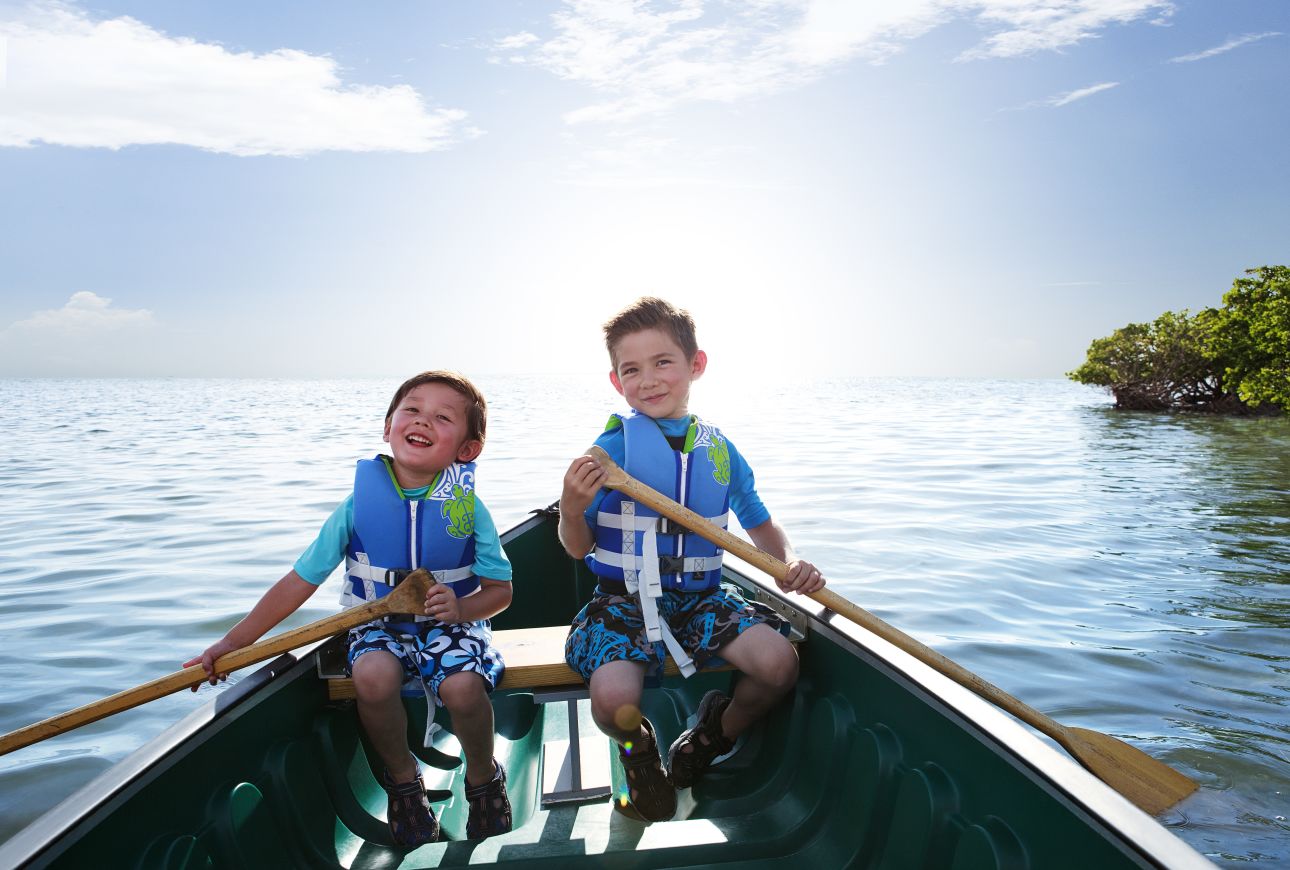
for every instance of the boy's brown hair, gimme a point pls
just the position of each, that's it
(476, 407)
(650, 312)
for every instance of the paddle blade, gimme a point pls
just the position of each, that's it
(1150, 784)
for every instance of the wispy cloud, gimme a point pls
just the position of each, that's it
(85, 313)
(1063, 99)
(1235, 42)
(646, 57)
(1068, 98)
(79, 81)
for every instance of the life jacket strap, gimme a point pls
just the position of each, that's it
(647, 585)
(667, 564)
(392, 577)
(657, 524)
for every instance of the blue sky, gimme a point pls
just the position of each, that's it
(892, 187)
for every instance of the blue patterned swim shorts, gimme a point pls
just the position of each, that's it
(610, 628)
(436, 652)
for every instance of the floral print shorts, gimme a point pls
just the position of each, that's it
(437, 651)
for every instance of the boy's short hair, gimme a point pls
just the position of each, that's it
(476, 407)
(650, 312)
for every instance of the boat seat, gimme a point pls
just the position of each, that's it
(534, 660)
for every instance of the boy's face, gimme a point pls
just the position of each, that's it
(653, 374)
(427, 433)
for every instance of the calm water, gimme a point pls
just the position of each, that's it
(1121, 573)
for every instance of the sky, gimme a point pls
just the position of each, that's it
(963, 188)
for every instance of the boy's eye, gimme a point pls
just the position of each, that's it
(445, 418)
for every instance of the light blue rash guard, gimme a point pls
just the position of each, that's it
(744, 501)
(328, 550)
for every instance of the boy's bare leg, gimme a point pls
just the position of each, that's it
(472, 721)
(378, 678)
(616, 689)
(769, 665)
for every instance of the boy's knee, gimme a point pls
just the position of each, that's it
(779, 671)
(462, 691)
(616, 710)
(377, 676)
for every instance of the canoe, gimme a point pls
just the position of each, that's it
(874, 760)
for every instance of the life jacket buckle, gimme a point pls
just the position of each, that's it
(671, 564)
(395, 576)
(668, 526)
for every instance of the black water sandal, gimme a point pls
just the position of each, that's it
(490, 808)
(412, 822)
(650, 796)
(693, 752)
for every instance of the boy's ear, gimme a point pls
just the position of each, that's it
(386, 436)
(699, 364)
(613, 379)
(469, 450)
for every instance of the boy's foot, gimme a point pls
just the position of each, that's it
(490, 808)
(692, 753)
(650, 797)
(412, 822)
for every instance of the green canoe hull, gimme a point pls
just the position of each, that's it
(874, 761)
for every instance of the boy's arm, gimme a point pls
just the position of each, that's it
(802, 577)
(280, 601)
(581, 483)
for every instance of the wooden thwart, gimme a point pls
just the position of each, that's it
(534, 659)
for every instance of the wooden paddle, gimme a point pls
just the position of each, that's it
(408, 597)
(1153, 785)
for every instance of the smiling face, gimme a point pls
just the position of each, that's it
(427, 432)
(652, 373)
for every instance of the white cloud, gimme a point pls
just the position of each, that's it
(1072, 96)
(1235, 42)
(84, 314)
(73, 80)
(647, 57)
(518, 40)
(1064, 99)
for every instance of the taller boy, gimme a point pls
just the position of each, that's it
(660, 590)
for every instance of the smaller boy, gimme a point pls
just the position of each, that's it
(416, 508)
(660, 589)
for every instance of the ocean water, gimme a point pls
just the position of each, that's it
(1125, 573)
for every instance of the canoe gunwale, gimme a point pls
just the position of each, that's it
(40, 840)
(1049, 767)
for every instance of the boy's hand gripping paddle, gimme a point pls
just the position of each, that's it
(1153, 785)
(408, 597)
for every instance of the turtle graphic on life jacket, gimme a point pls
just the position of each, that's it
(719, 453)
(460, 511)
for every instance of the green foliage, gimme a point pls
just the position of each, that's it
(1255, 336)
(1158, 365)
(1233, 359)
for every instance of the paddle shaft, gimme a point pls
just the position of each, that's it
(1151, 784)
(408, 596)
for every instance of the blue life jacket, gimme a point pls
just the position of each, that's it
(697, 476)
(395, 533)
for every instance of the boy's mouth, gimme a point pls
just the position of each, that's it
(419, 441)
